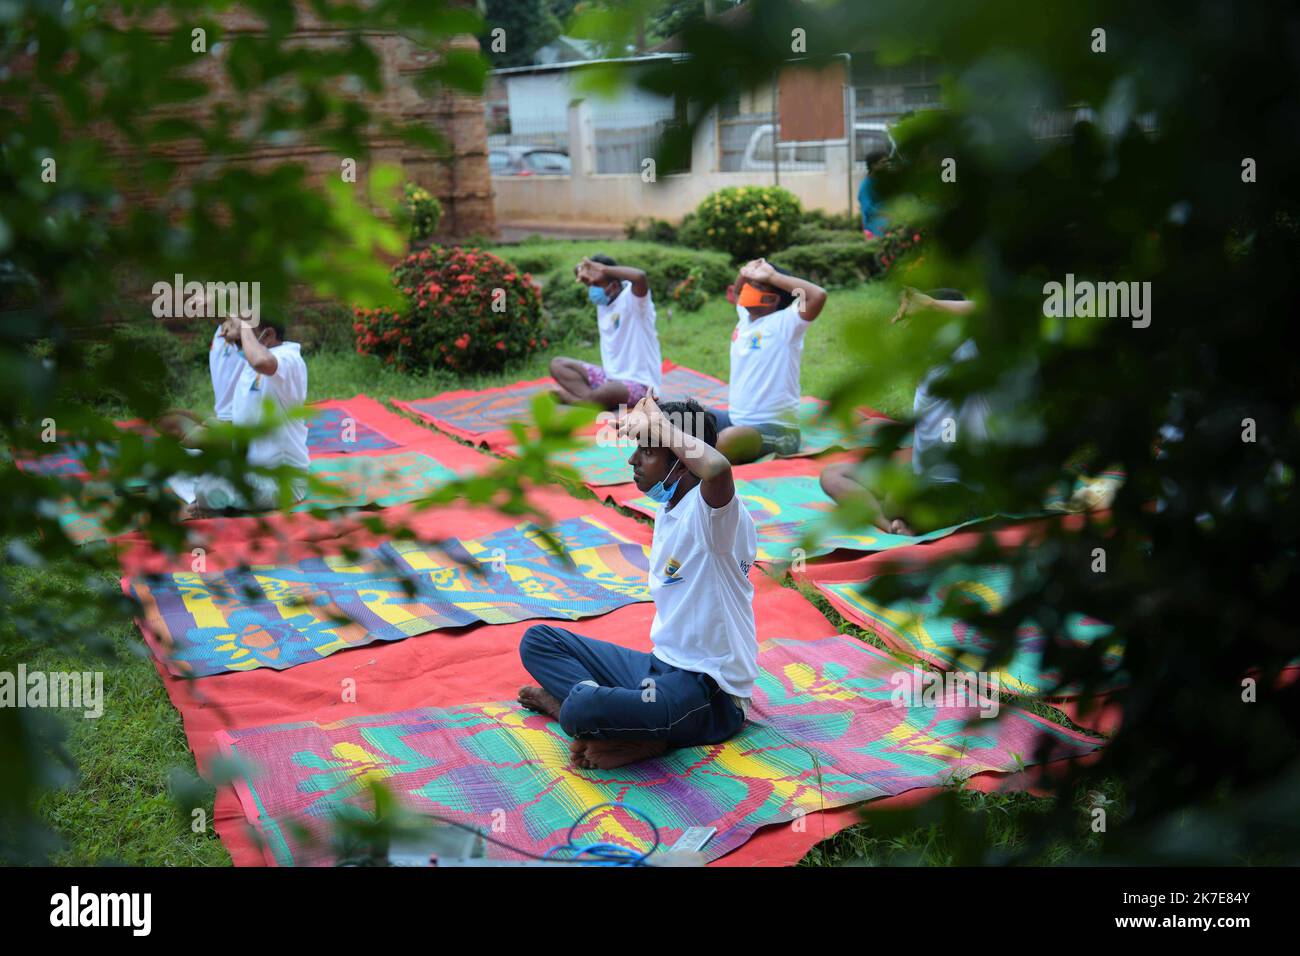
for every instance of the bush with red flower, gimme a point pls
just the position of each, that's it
(467, 310)
(895, 243)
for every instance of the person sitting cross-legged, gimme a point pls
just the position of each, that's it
(630, 365)
(773, 313)
(273, 371)
(694, 687)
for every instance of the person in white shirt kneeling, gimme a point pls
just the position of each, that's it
(274, 376)
(694, 687)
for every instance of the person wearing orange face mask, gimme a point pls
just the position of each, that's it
(773, 312)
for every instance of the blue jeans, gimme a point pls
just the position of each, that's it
(778, 437)
(639, 697)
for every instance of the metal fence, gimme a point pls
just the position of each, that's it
(1059, 124)
(554, 138)
(623, 142)
(734, 136)
(503, 159)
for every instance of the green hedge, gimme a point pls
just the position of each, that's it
(835, 221)
(808, 234)
(650, 229)
(665, 266)
(830, 263)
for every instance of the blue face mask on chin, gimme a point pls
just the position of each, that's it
(597, 295)
(661, 494)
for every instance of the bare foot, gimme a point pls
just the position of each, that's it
(535, 698)
(578, 753)
(899, 526)
(608, 754)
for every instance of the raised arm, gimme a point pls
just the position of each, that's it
(602, 274)
(913, 301)
(647, 423)
(814, 296)
(257, 354)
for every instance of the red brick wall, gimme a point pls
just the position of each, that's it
(459, 177)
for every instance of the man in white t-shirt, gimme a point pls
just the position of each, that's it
(773, 312)
(225, 362)
(630, 366)
(937, 424)
(694, 688)
(274, 377)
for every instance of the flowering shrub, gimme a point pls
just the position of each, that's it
(689, 294)
(747, 221)
(425, 212)
(896, 242)
(467, 310)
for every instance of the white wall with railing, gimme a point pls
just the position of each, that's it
(609, 181)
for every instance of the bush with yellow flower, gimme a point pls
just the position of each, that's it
(747, 221)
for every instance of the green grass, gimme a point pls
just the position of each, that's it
(124, 806)
(121, 807)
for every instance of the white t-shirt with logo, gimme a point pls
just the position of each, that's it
(225, 363)
(704, 601)
(765, 358)
(970, 421)
(287, 390)
(629, 343)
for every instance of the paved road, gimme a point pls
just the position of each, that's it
(515, 230)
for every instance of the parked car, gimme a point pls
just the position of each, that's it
(811, 154)
(528, 161)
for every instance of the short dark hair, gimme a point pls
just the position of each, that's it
(875, 158)
(785, 297)
(277, 324)
(946, 295)
(603, 259)
(693, 419)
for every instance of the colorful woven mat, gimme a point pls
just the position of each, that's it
(282, 615)
(834, 722)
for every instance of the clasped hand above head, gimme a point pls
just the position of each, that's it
(589, 271)
(230, 329)
(644, 424)
(757, 270)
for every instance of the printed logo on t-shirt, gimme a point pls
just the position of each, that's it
(618, 319)
(755, 341)
(257, 384)
(745, 566)
(671, 567)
